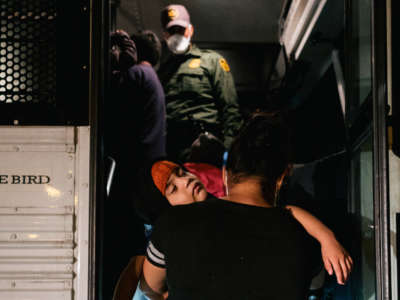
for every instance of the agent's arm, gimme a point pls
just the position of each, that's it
(336, 259)
(227, 99)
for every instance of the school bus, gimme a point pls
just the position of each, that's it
(331, 64)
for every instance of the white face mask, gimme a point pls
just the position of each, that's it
(178, 43)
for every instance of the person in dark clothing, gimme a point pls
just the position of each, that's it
(152, 111)
(256, 251)
(167, 184)
(138, 106)
(134, 135)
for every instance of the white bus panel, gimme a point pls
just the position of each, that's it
(44, 196)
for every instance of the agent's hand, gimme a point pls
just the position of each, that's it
(336, 260)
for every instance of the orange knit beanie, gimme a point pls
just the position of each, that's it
(160, 171)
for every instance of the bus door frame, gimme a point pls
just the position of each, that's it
(381, 173)
(371, 118)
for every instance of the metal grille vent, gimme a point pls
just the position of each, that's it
(28, 51)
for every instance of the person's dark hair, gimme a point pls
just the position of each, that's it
(262, 150)
(207, 148)
(148, 46)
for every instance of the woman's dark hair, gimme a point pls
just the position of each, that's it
(148, 46)
(262, 150)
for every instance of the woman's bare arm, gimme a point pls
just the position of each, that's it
(336, 258)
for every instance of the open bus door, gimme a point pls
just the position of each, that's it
(353, 48)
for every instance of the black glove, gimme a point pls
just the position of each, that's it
(124, 49)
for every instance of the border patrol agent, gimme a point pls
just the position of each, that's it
(199, 88)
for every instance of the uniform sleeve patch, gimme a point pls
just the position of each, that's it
(224, 65)
(195, 63)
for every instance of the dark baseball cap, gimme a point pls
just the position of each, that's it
(174, 15)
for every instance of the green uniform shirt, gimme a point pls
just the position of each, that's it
(199, 85)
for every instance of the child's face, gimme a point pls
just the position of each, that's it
(184, 188)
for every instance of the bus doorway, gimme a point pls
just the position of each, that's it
(324, 62)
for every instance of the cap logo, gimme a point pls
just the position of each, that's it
(195, 63)
(172, 13)
(224, 65)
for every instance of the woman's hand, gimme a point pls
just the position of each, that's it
(336, 259)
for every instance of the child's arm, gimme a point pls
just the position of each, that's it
(335, 257)
(153, 281)
(129, 278)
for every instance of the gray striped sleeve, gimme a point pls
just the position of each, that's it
(155, 256)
